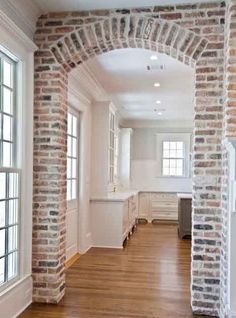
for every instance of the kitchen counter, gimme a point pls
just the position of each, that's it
(114, 196)
(184, 195)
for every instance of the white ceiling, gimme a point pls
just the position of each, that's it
(124, 76)
(71, 5)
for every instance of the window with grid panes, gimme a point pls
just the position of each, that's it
(72, 156)
(173, 158)
(9, 173)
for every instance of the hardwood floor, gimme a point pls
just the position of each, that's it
(150, 278)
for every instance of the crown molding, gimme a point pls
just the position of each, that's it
(164, 125)
(85, 80)
(10, 27)
(75, 94)
(24, 13)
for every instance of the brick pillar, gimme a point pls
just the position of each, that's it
(49, 207)
(207, 213)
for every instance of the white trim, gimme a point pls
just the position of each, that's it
(105, 246)
(18, 44)
(10, 27)
(24, 13)
(17, 298)
(84, 80)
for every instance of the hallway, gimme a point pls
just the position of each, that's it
(150, 278)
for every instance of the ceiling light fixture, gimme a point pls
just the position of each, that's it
(157, 84)
(159, 113)
(153, 57)
(158, 102)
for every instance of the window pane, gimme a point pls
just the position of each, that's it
(165, 171)
(179, 154)
(73, 193)
(166, 163)
(179, 145)
(2, 242)
(2, 270)
(74, 174)
(74, 126)
(69, 168)
(172, 163)
(12, 238)
(69, 124)
(7, 101)
(74, 147)
(13, 211)
(166, 154)
(69, 146)
(2, 213)
(12, 265)
(7, 154)
(166, 145)
(13, 185)
(2, 185)
(68, 189)
(173, 145)
(7, 128)
(172, 171)
(172, 154)
(7, 73)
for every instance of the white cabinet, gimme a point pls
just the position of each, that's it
(158, 206)
(144, 203)
(104, 155)
(125, 151)
(113, 219)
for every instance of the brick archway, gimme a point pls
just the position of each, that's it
(65, 42)
(128, 32)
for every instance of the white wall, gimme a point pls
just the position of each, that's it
(145, 169)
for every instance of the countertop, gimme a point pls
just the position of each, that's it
(184, 195)
(114, 196)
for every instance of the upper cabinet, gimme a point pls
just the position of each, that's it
(125, 152)
(105, 148)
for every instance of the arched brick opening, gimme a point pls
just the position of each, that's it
(57, 55)
(130, 31)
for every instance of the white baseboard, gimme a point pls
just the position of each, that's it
(104, 246)
(17, 298)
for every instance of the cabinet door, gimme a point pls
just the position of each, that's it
(125, 218)
(144, 203)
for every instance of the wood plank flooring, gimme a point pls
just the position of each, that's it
(150, 278)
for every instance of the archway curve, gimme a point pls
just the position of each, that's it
(128, 32)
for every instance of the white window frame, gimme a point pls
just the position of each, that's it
(73, 203)
(13, 40)
(184, 137)
(14, 167)
(173, 158)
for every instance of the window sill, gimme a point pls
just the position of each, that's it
(173, 177)
(5, 289)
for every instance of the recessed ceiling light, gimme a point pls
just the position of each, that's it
(153, 57)
(157, 84)
(159, 113)
(158, 102)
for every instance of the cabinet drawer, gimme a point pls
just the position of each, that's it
(164, 197)
(164, 215)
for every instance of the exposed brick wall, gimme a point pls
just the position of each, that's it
(193, 34)
(49, 198)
